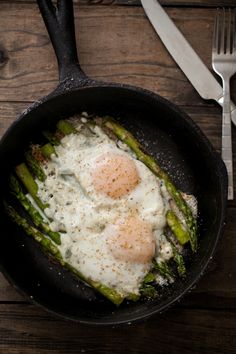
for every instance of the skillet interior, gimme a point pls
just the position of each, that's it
(181, 149)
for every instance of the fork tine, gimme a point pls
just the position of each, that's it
(215, 45)
(234, 30)
(228, 33)
(222, 32)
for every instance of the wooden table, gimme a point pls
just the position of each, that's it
(117, 43)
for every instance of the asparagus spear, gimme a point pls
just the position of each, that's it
(164, 270)
(47, 150)
(178, 258)
(134, 145)
(176, 227)
(37, 219)
(109, 293)
(51, 249)
(65, 127)
(28, 181)
(47, 244)
(35, 166)
(149, 278)
(148, 291)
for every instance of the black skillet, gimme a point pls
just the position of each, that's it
(167, 133)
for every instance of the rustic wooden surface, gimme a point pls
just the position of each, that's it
(117, 43)
(172, 3)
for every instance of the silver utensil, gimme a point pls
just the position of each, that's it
(224, 64)
(184, 55)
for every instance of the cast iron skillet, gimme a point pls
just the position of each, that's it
(167, 133)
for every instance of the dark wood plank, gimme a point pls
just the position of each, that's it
(9, 112)
(189, 3)
(27, 329)
(132, 53)
(8, 293)
(192, 3)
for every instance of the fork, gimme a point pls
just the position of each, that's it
(224, 64)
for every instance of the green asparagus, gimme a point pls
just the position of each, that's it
(164, 270)
(30, 230)
(36, 217)
(148, 291)
(47, 150)
(28, 181)
(134, 145)
(177, 257)
(133, 297)
(51, 249)
(149, 278)
(66, 127)
(176, 227)
(34, 166)
(179, 260)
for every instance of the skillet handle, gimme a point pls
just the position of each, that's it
(59, 21)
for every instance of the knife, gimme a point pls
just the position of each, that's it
(184, 55)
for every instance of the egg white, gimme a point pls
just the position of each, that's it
(86, 215)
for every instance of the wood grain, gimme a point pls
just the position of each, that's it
(27, 329)
(8, 293)
(131, 53)
(192, 3)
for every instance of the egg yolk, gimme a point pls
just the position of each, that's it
(132, 240)
(115, 175)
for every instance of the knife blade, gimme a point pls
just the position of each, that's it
(184, 55)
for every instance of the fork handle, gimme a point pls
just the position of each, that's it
(226, 149)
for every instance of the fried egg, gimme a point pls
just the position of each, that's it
(109, 206)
